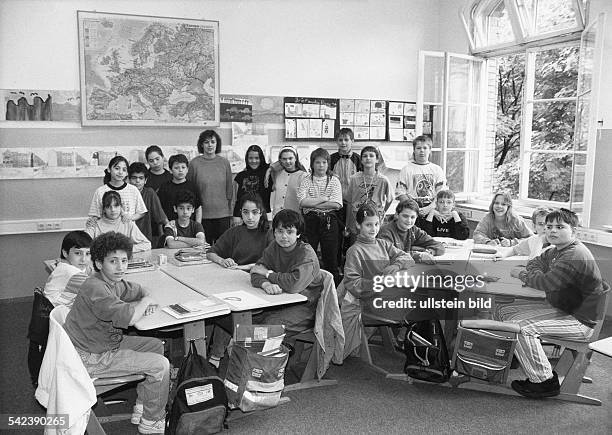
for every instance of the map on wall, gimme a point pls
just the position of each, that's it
(140, 70)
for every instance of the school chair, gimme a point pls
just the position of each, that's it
(576, 356)
(328, 313)
(65, 387)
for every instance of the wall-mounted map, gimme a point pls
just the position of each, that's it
(140, 70)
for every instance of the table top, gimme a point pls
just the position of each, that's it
(603, 346)
(166, 291)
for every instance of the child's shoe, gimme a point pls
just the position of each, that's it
(148, 426)
(137, 413)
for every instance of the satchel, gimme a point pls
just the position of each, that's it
(198, 404)
(38, 332)
(426, 352)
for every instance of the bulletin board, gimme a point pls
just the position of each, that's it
(402, 121)
(311, 119)
(367, 118)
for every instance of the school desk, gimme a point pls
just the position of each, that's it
(603, 346)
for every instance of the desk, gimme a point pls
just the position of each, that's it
(603, 346)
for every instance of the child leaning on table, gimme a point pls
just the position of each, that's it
(534, 245)
(569, 275)
(105, 306)
(184, 232)
(289, 265)
(501, 226)
(444, 220)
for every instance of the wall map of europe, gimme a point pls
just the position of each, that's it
(138, 70)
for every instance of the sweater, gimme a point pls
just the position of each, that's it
(242, 245)
(155, 181)
(252, 181)
(571, 279)
(129, 228)
(214, 182)
(456, 230)
(413, 240)
(488, 230)
(154, 216)
(131, 200)
(169, 191)
(378, 193)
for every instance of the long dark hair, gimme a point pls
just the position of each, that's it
(262, 159)
(113, 162)
(263, 224)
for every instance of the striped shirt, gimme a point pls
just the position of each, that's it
(317, 187)
(131, 200)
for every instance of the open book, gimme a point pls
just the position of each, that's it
(195, 308)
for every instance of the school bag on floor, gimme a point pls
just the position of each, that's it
(199, 402)
(426, 352)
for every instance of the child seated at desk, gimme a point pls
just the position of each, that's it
(289, 265)
(444, 220)
(404, 235)
(105, 306)
(501, 226)
(112, 220)
(573, 284)
(184, 232)
(369, 256)
(534, 245)
(244, 244)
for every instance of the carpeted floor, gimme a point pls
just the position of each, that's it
(362, 402)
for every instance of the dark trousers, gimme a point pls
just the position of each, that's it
(213, 228)
(323, 229)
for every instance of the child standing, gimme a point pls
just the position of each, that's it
(151, 224)
(158, 175)
(574, 290)
(168, 192)
(534, 245)
(244, 244)
(320, 197)
(71, 270)
(212, 176)
(367, 187)
(105, 306)
(184, 232)
(369, 256)
(406, 236)
(111, 220)
(251, 180)
(289, 265)
(114, 179)
(444, 220)
(501, 226)
(287, 181)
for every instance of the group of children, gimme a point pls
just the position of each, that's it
(309, 210)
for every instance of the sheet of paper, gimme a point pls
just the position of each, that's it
(273, 343)
(242, 300)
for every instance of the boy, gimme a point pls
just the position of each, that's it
(71, 270)
(406, 236)
(420, 179)
(444, 220)
(289, 265)
(184, 232)
(158, 175)
(105, 306)
(139, 175)
(534, 245)
(569, 275)
(367, 187)
(167, 193)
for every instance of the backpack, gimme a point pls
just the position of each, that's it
(38, 332)
(426, 352)
(199, 404)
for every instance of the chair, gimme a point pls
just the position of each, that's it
(65, 386)
(317, 361)
(575, 357)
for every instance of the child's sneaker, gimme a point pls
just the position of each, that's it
(136, 413)
(147, 426)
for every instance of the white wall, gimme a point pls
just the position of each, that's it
(327, 48)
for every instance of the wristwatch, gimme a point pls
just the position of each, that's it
(268, 273)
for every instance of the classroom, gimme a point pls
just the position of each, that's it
(510, 105)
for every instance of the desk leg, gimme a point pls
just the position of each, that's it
(242, 318)
(195, 331)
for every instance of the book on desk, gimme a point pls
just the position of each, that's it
(195, 308)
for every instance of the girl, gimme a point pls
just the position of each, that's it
(212, 175)
(251, 180)
(287, 181)
(111, 221)
(320, 197)
(367, 258)
(114, 179)
(501, 226)
(158, 175)
(244, 244)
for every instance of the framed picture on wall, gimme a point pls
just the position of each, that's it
(148, 71)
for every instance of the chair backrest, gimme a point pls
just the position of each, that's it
(602, 308)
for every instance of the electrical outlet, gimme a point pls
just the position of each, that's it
(40, 226)
(49, 226)
(57, 225)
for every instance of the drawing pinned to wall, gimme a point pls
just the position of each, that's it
(240, 129)
(310, 118)
(401, 121)
(40, 105)
(236, 108)
(235, 153)
(367, 118)
(140, 70)
(267, 109)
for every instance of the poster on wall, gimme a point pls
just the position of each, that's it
(148, 71)
(40, 105)
(401, 121)
(236, 109)
(367, 118)
(310, 118)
